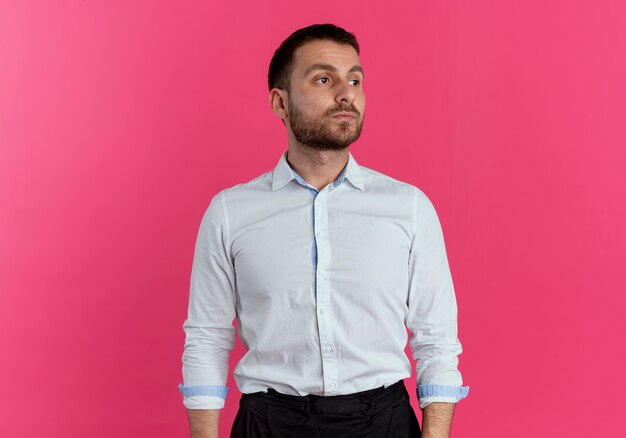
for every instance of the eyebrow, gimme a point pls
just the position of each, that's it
(330, 67)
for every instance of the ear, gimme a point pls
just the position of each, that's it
(278, 101)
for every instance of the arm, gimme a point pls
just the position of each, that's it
(432, 320)
(437, 419)
(210, 334)
(204, 423)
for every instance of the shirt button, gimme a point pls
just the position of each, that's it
(331, 385)
(321, 311)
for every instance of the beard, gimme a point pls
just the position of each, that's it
(319, 134)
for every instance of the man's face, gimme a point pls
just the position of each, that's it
(326, 104)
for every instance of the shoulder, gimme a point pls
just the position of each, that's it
(260, 183)
(217, 208)
(378, 181)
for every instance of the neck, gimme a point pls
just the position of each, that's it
(316, 167)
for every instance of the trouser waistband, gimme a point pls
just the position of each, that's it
(366, 402)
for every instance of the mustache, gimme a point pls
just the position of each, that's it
(343, 108)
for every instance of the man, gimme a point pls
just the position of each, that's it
(324, 263)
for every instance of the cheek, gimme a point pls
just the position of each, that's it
(361, 104)
(310, 104)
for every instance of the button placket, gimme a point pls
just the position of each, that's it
(325, 327)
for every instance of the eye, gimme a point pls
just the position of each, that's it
(323, 80)
(355, 81)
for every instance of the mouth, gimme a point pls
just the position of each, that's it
(344, 115)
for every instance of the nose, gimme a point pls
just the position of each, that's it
(345, 93)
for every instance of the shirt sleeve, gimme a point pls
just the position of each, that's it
(432, 311)
(209, 330)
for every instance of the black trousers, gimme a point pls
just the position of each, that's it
(377, 413)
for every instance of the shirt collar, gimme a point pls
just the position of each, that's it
(283, 173)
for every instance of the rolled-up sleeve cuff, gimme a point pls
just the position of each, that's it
(428, 394)
(203, 396)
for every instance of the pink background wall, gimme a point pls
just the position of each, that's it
(120, 120)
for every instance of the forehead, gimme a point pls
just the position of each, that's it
(326, 52)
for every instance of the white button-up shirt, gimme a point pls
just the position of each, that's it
(323, 285)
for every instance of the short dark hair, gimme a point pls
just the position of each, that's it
(280, 66)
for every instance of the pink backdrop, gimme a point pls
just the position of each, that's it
(120, 120)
